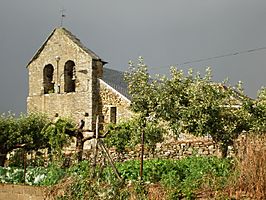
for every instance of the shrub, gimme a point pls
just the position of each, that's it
(11, 175)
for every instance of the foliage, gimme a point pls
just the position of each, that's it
(258, 110)
(141, 88)
(156, 169)
(20, 157)
(22, 132)
(11, 175)
(53, 175)
(16, 158)
(81, 169)
(57, 133)
(31, 133)
(30, 128)
(183, 177)
(128, 133)
(33, 176)
(78, 184)
(120, 135)
(190, 103)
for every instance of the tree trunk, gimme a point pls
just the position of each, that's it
(2, 158)
(79, 146)
(224, 150)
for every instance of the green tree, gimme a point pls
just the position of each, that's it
(190, 103)
(22, 132)
(59, 135)
(127, 134)
(258, 111)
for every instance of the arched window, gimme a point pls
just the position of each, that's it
(69, 76)
(48, 85)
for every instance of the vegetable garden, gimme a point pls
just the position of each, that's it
(180, 104)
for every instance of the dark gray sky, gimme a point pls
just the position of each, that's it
(165, 33)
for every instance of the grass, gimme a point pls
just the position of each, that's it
(250, 179)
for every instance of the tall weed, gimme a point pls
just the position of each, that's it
(251, 166)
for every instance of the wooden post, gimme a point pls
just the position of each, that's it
(96, 141)
(109, 159)
(141, 156)
(96, 145)
(25, 165)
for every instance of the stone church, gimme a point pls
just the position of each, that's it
(67, 79)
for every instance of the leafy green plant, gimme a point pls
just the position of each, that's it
(258, 110)
(127, 134)
(11, 175)
(36, 176)
(119, 136)
(180, 178)
(22, 132)
(53, 176)
(81, 169)
(57, 133)
(190, 103)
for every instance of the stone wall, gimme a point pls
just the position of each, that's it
(91, 96)
(59, 48)
(67, 104)
(167, 150)
(21, 192)
(109, 97)
(62, 47)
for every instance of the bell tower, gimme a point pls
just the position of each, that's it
(63, 78)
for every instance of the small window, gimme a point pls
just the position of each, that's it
(113, 114)
(69, 76)
(48, 85)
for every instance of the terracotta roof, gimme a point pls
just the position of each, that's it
(71, 37)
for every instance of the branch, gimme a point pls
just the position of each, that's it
(20, 145)
(94, 136)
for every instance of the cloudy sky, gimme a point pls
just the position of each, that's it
(165, 33)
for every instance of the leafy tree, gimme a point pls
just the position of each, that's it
(142, 88)
(36, 131)
(190, 103)
(23, 132)
(258, 111)
(58, 134)
(127, 134)
(62, 130)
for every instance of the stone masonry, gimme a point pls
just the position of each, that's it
(110, 98)
(48, 76)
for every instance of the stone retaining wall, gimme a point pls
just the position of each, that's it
(167, 150)
(21, 192)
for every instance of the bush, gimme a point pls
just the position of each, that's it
(128, 134)
(11, 175)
